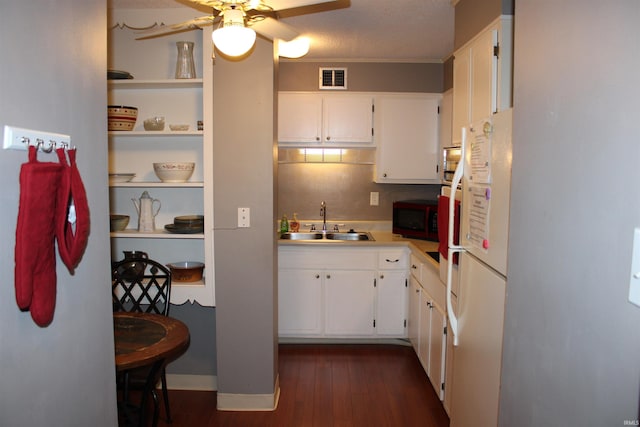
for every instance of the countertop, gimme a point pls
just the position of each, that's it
(382, 238)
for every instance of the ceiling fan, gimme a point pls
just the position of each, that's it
(239, 21)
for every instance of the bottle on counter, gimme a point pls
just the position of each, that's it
(284, 224)
(294, 225)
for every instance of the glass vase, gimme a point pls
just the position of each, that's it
(185, 67)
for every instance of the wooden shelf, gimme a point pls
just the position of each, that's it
(141, 184)
(163, 133)
(154, 84)
(158, 234)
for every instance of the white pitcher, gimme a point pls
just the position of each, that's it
(146, 214)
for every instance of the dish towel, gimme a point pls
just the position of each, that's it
(443, 226)
(35, 269)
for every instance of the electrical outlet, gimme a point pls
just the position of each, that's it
(374, 198)
(244, 217)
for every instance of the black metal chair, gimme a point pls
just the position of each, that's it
(142, 285)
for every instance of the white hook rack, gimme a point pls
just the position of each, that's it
(19, 139)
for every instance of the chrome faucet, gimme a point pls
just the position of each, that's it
(323, 214)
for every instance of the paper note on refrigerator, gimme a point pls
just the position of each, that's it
(479, 216)
(480, 153)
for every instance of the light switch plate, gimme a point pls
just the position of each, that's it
(244, 217)
(634, 283)
(374, 198)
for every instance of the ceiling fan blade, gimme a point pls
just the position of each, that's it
(273, 29)
(290, 4)
(192, 24)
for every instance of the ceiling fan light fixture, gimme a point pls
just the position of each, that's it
(295, 48)
(233, 38)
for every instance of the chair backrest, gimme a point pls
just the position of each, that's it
(140, 285)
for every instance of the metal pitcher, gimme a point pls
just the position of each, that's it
(146, 212)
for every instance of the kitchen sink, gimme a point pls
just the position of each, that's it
(355, 235)
(301, 236)
(335, 236)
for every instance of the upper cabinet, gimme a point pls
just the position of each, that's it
(406, 134)
(482, 76)
(154, 91)
(326, 120)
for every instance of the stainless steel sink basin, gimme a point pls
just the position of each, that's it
(352, 235)
(301, 236)
(356, 235)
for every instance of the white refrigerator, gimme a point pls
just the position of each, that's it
(477, 320)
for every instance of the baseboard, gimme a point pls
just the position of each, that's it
(192, 382)
(250, 402)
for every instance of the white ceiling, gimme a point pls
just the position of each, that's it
(360, 30)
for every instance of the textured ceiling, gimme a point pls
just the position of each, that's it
(361, 30)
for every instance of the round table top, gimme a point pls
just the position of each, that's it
(144, 338)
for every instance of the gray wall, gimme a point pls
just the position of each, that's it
(246, 262)
(52, 77)
(571, 340)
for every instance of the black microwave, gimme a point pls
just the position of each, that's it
(416, 219)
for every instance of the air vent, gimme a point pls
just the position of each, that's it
(333, 78)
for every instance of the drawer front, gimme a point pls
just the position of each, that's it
(327, 258)
(393, 259)
(415, 266)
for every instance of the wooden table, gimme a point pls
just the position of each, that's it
(146, 340)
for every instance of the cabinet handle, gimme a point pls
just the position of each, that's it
(317, 138)
(395, 260)
(415, 267)
(382, 276)
(328, 138)
(317, 276)
(384, 175)
(328, 276)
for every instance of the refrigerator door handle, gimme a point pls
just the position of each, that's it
(452, 248)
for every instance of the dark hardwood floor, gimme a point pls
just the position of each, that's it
(330, 386)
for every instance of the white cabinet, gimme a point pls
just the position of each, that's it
(482, 76)
(357, 292)
(426, 310)
(349, 303)
(155, 92)
(327, 120)
(406, 134)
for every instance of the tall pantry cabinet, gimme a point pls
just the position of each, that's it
(155, 91)
(482, 76)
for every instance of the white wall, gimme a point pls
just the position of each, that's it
(572, 340)
(52, 77)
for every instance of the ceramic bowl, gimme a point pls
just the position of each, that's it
(120, 177)
(154, 123)
(179, 127)
(119, 222)
(121, 117)
(186, 271)
(174, 171)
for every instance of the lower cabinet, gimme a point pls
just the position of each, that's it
(342, 293)
(428, 321)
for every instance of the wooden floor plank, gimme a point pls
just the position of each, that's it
(333, 385)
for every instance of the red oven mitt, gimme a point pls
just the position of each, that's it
(72, 213)
(35, 269)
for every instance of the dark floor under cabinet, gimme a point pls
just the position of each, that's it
(332, 385)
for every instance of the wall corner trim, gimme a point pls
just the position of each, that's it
(250, 402)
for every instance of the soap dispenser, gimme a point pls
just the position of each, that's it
(294, 225)
(284, 224)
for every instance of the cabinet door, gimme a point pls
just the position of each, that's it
(413, 327)
(425, 330)
(484, 66)
(406, 133)
(349, 303)
(299, 117)
(299, 303)
(348, 119)
(461, 93)
(437, 349)
(391, 303)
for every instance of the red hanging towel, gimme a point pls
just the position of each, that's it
(35, 269)
(72, 213)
